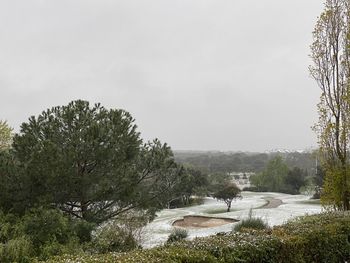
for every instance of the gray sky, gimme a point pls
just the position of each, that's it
(197, 74)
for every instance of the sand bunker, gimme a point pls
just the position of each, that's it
(202, 222)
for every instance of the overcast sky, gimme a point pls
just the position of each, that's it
(197, 74)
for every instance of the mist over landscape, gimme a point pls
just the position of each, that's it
(200, 75)
(198, 131)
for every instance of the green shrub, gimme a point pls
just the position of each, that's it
(251, 222)
(177, 234)
(50, 232)
(237, 247)
(82, 230)
(157, 255)
(113, 238)
(317, 238)
(40, 233)
(46, 225)
(16, 250)
(10, 227)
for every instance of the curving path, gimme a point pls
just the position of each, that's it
(272, 203)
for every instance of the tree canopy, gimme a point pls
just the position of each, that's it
(277, 177)
(91, 163)
(228, 194)
(273, 176)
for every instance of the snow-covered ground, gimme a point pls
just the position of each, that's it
(157, 232)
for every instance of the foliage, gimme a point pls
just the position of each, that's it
(251, 222)
(333, 188)
(295, 179)
(113, 238)
(16, 250)
(123, 234)
(331, 70)
(157, 255)
(273, 176)
(13, 184)
(191, 182)
(181, 202)
(222, 162)
(177, 234)
(39, 233)
(91, 163)
(317, 238)
(5, 135)
(319, 176)
(318, 180)
(277, 177)
(217, 181)
(228, 194)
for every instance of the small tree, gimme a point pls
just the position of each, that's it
(228, 194)
(330, 53)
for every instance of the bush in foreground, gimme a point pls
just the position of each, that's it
(317, 238)
(177, 234)
(40, 233)
(251, 222)
(113, 238)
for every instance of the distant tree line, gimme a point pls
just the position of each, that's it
(275, 172)
(221, 162)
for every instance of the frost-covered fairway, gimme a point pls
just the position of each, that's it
(158, 231)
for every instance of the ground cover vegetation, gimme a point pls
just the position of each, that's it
(316, 238)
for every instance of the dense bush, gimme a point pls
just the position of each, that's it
(177, 234)
(41, 233)
(113, 237)
(317, 238)
(16, 250)
(250, 223)
(157, 255)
